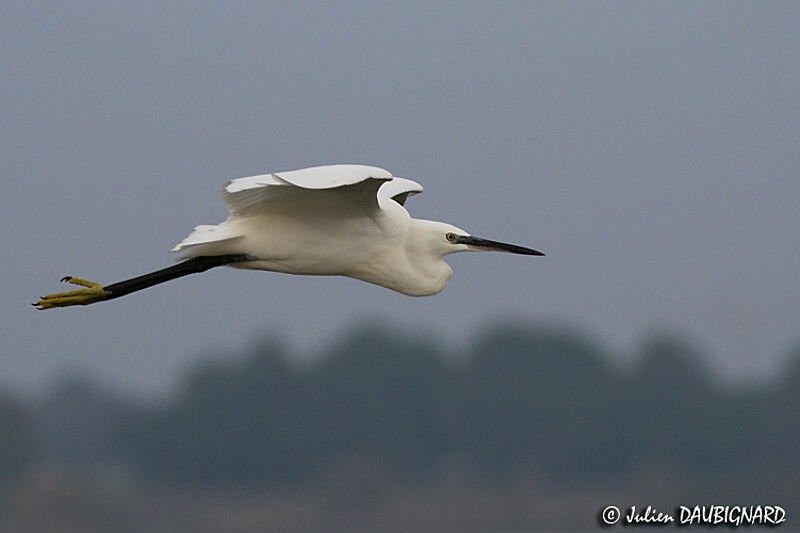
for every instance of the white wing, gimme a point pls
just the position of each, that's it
(356, 186)
(398, 189)
(257, 194)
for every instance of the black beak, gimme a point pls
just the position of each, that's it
(494, 246)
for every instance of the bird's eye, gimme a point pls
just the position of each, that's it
(451, 237)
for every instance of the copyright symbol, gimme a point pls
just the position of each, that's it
(610, 515)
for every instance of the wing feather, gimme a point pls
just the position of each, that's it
(256, 194)
(360, 188)
(398, 189)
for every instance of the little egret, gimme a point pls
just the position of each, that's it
(346, 220)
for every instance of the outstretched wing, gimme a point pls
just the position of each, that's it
(258, 194)
(330, 188)
(399, 189)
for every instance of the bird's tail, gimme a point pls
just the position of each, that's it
(205, 234)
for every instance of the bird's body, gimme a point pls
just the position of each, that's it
(377, 251)
(354, 230)
(346, 220)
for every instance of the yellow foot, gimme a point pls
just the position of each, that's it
(95, 292)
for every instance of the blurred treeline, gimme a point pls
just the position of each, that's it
(517, 402)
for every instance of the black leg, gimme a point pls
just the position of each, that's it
(96, 292)
(190, 266)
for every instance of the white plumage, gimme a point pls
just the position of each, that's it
(333, 220)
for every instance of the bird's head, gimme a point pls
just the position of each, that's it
(444, 239)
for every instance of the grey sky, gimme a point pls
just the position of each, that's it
(651, 149)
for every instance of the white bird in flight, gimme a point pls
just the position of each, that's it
(345, 220)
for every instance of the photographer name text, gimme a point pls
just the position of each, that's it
(698, 515)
